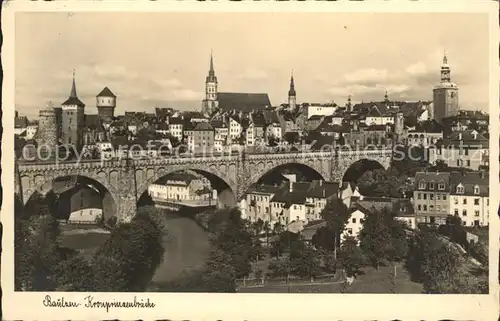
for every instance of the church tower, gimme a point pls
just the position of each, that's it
(292, 95)
(445, 94)
(73, 119)
(210, 102)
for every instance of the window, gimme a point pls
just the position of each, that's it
(460, 189)
(476, 201)
(295, 207)
(421, 185)
(438, 197)
(431, 185)
(476, 190)
(444, 197)
(456, 212)
(425, 207)
(349, 231)
(438, 208)
(419, 207)
(354, 220)
(431, 196)
(441, 185)
(425, 196)
(431, 207)
(476, 213)
(464, 212)
(465, 201)
(419, 196)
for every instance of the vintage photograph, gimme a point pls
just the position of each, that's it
(252, 152)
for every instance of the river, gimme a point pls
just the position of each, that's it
(186, 249)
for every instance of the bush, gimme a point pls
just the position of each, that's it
(128, 259)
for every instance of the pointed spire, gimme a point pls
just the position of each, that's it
(386, 96)
(292, 92)
(73, 87)
(445, 59)
(211, 71)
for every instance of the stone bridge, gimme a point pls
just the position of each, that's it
(124, 181)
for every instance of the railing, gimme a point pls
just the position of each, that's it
(215, 157)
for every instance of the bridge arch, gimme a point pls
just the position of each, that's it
(269, 173)
(38, 186)
(226, 188)
(355, 170)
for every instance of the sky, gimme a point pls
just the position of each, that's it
(154, 60)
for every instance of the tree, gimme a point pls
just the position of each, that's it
(132, 253)
(279, 269)
(381, 183)
(375, 237)
(74, 274)
(304, 261)
(219, 275)
(272, 141)
(36, 253)
(336, 215)
(324, 238)
(434, 263)
(351, 256)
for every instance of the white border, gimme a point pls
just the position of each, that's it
(251, 306)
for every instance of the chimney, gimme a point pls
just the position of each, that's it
(459, 136)
(474, 134)
(291, 186)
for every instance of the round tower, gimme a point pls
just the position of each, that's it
(106, 104)
(47, 127)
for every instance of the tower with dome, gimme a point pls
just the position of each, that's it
(445, 94)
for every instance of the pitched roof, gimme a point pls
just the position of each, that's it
(321, 189)
(469, 180)
(203, 127)
(93, 122)
(465, 138)
(296, 196)
(106, 93)
(430, 126)
(73, 101)
(245, 102)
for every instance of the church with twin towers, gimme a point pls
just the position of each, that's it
(245, 102)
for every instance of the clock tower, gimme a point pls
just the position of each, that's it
(445, 94)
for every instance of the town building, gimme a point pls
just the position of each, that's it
(467, 149)
(424, 134)
(469, 197)
(203, 138)
(181, 187)
(431, 197)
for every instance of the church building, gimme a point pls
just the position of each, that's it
(225, 101)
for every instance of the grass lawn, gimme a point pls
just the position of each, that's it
(372, 281)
